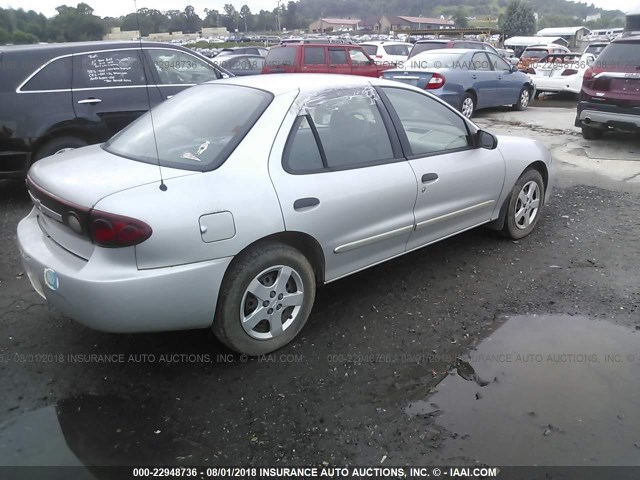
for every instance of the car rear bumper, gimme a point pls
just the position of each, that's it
(603, 116)
(115, 296)
(562, 84)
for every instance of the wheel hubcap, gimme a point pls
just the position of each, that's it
(467, 107)
(272, 302)
(524, 98)
(527, 205)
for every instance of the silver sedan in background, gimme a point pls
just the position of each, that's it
(227, 205)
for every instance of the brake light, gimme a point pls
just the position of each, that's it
(588, 74)
(569, 71)
(436, 81)
(115, 231)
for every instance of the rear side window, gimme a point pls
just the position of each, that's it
(281, 56)
(108, 69)
(337, 56)
(620, 55)
(396, 50)
(195, 130)
(302, 154)
(314, 56)
(371, 50)
(54, 76)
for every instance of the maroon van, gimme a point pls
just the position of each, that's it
(321, 58)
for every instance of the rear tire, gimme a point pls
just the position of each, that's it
(523, 99)
(58, 145)
(525, 205)
(266, 297)
(590, 133)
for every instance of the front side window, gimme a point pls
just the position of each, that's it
(498, 62)
(358, 57)
(480, 62)
(195, 130)
(314, 56)
(175, 67)
(122, 68)
(430, 127)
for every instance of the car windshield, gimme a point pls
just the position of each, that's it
(534, 53)
(620, 56)
(435, 60)
(196, 130)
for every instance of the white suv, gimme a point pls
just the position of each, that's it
(387, 53)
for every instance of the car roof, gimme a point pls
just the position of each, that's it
(83, 46)
(633, 36)
(449, 51)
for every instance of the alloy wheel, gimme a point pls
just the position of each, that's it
(527, 205)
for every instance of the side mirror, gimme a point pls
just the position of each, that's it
(514, 61)
(486, 140)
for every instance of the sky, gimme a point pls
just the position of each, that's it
(115, 8)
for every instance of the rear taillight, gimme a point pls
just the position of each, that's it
(588, 74)
(569, 71)
(114, 231)
(436, 81)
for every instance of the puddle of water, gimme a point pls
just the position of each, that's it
(92, 431)
(562, 391)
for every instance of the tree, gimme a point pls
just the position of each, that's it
(460, 17)
(22, 38)
(518, 20)
(192, 21)
(76, 24)
(245, 15)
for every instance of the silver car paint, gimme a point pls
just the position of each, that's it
(156, 286)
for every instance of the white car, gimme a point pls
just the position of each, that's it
(560, 72)
(388, 53)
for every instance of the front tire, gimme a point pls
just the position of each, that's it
(265, 299)
(525, 204)
(468, 105)
(523, 99)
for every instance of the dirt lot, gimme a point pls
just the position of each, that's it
(368, 382)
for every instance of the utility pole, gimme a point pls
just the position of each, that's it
(278, 17)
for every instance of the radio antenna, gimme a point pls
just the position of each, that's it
(163, 186)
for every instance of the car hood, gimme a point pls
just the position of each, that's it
(86, 175)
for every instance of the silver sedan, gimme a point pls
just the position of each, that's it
(227, 205)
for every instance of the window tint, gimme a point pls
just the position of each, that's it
(302, 153)
(314, 56)
(370, 49)
(534, 53)
(175, 67)
(358, 57)
(480, 61)
(108, 69)
(280, 56)
(430, 126)
(351, 130)
(498, 62)
(55, 76)
(620, 56)
(423, 47)
(396, 50)
(196, 130)
(337, 56)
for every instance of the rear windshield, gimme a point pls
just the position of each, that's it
(396, 50)
(370, 49)
(595, 49)
(423, 47)
(534, 53)
(195, 130)
(281, 56)
(620, 55)
(435, 60)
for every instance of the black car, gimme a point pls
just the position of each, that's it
(61, 96)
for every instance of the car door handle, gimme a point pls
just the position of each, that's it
(429, 177)
(499, 77)
(89, 101)
(305, 203)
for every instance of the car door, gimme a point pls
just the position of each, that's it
(458, 184)
(338, 62)
(484, 79)
(361, 64)
(314, 59)
(109, 90)
(174, 70)
(509, 81)
(341, 178)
